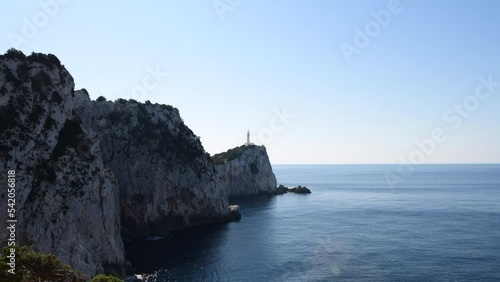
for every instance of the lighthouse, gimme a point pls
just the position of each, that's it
(248, 143)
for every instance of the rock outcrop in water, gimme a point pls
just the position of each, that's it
(235, 211)
(66, 202)
(297, 189)
(245, 171)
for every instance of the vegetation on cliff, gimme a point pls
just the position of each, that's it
(230, 154)
(63, 191)
(69, 204)
(34, 266)
(31, 266)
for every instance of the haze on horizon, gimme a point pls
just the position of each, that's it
(320, 82)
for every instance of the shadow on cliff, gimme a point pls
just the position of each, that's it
(194, 246)
(250, 203)
(190, 248)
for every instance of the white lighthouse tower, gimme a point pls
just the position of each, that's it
(248, 139)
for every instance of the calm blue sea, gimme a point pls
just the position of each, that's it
(441, 224)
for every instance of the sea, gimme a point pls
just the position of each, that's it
(437, 223)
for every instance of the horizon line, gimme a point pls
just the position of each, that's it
(492, 163)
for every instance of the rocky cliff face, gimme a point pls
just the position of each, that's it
(165, 177)
(246, 171)
(89, 173)
(66, 202)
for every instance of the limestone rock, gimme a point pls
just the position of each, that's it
(300, 190)
(234, 210)
(92, 172)
(245, 171)
(66, 202)
(281, 190)
(134, 278)
(297, 189)
(166, 179)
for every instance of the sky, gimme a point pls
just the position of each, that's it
(316, 82)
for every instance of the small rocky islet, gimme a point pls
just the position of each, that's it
(297, 190)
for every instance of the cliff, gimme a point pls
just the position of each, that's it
(246, 171)
(89, 173)
(165, 177)
(66, 202)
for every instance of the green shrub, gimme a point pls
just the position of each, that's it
(166, 107)
(8, 116)
(119, 117)
(85, 91)
(10, 77)
(32, 266)
(48, 60)
(53, 60)
(23, 72)
(36, 114)
(105, 278)
(69, 136)
(56, 97)
(40, 81)
(230, 155)
(49, 123)
(14, 54)
(44, 172)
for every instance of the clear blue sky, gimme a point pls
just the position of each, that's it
(230, 74)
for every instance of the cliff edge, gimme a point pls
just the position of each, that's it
(165, 178)
(245, 171)
(90, 173)
(66, 202)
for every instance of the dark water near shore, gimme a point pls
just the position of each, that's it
(441, 224)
